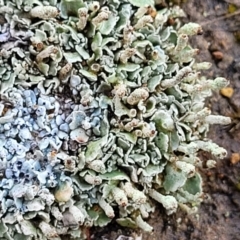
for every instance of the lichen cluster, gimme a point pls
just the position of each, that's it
(101, 111)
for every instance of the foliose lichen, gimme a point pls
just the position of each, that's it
(101, 110)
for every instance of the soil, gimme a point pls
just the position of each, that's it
(219, 214)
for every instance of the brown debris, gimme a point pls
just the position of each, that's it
(235, 158)
(217, 55)
(227, 92)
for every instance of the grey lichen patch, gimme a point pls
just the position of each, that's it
(101, 110)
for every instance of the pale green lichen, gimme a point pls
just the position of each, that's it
(102, 112)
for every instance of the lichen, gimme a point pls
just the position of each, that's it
(101, 114)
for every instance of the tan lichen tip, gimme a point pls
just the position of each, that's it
(64, 192)
(44, 12)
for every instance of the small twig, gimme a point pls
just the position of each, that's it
(221, 18)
